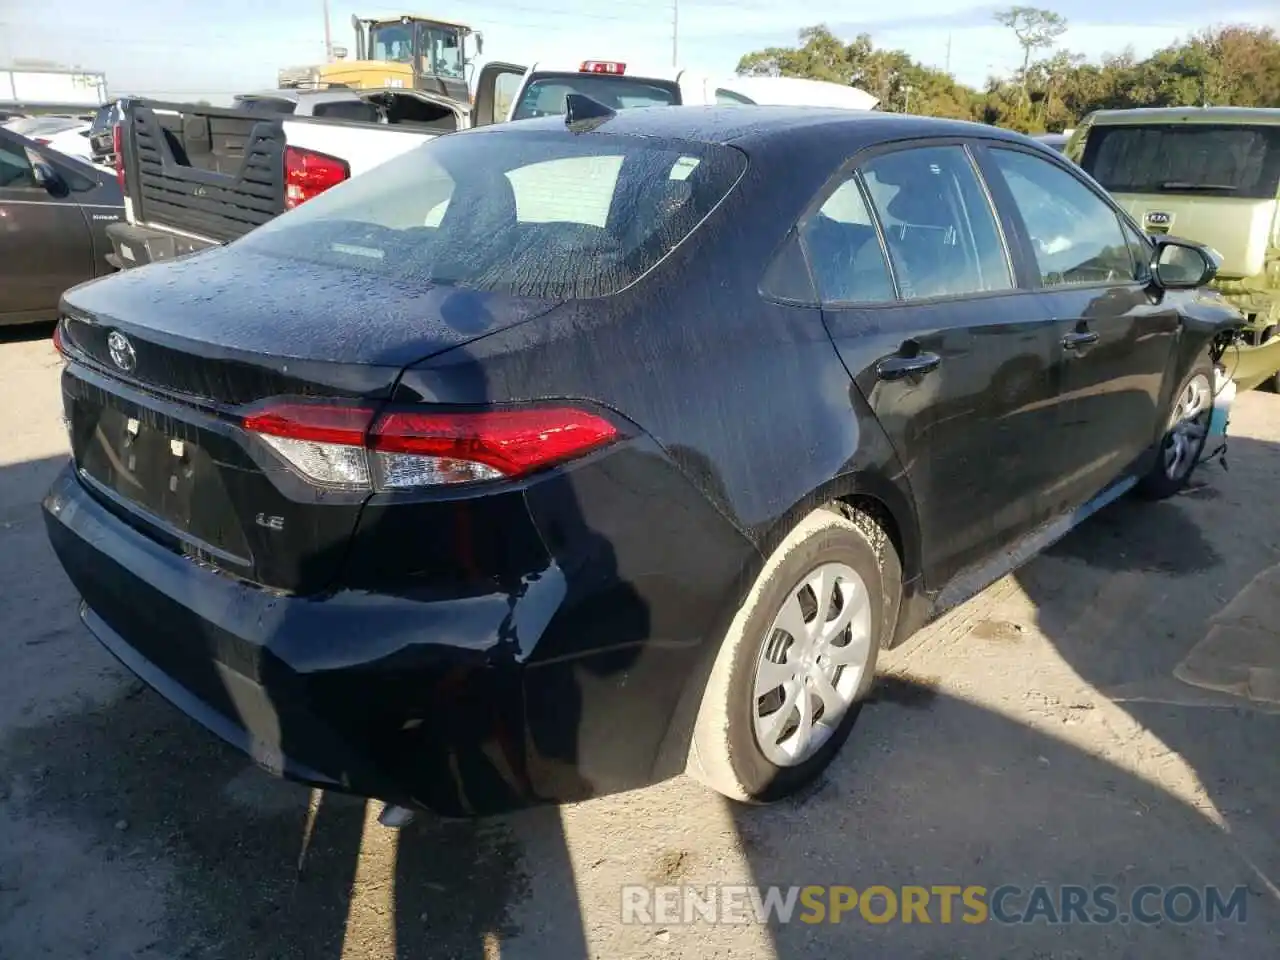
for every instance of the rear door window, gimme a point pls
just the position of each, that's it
(545, 94)
(938, 223)
(1223, 160)
(1075, 235)
(532, 213)
(844, 251)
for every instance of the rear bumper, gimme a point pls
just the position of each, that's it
(293, 683)
(136, 246)
(574, 682)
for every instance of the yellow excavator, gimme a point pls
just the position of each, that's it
(419, 53)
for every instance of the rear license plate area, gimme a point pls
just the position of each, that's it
(155, 466)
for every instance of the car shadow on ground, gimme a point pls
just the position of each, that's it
(1025, 773)
(248, 865)
(933, 788)
(25, 332)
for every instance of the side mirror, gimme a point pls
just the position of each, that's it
(479, 42)
(47, 177)
(1182, 265)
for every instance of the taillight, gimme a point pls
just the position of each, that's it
(308, 174)
(43, 141)
(603, 66)
(57, 338)
(402, 449)
(117, 150)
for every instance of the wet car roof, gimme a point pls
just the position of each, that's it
(748, 125)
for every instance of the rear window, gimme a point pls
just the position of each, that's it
(531, 213)
(266, 105)
(544, 95)
(358, 110)
(1235, 160)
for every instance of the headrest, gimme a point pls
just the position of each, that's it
(920, 204)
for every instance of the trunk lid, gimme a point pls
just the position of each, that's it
(1239, 229)
(232, 326)
(165, 362)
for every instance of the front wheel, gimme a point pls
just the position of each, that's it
(798, 658)
(1185, 435)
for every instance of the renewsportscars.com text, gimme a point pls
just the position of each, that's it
(943, 903)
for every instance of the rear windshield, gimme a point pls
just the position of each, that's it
(265, 105)
(1237, 161)
(532, 213)
(544, 95)
(358, 110)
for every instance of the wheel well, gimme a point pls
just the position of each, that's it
(881, 514)
(899, 527)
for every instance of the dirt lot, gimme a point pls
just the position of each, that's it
(1108, 715)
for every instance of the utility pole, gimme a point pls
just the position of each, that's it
(328, 37)
(948, 53)
(675, 33)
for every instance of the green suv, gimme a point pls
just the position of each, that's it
(1212, 175)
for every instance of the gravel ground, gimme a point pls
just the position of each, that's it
(1108, 714)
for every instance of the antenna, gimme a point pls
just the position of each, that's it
(583, 114)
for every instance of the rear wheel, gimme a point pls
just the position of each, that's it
(798, 658)
(1272, 382)
(1185, 435)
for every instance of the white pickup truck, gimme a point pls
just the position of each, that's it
(196, 176)
(508, 91)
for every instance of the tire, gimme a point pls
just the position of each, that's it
(728, 752)
(1165, 478)
(1272, 382)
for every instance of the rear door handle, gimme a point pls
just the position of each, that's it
(898, 367)
(1081, 338)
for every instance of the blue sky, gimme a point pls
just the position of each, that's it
(185, 48)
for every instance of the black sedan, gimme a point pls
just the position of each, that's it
(563, 456)
(54, 211)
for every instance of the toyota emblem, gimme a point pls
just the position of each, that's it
(121, 350)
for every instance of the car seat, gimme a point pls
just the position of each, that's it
(846, 260)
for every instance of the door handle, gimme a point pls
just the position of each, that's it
(898, 367)
(1081, 338)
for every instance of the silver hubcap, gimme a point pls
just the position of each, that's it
(811, 664)
(1187, 427)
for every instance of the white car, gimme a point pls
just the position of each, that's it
(67, 135)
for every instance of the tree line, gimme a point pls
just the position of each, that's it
(1054, 87)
